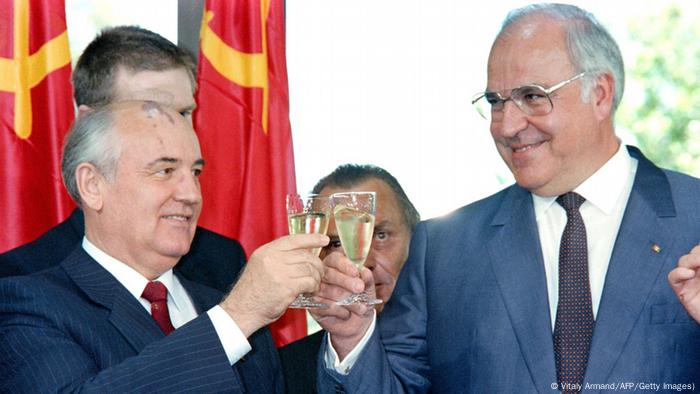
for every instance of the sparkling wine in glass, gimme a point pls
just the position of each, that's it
(308, 214)
(353, 213)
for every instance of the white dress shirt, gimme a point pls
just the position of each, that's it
(180, 304)
(606, 193)
(343, 367)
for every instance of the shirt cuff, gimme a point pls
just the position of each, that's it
(235, 343)
(331, 356)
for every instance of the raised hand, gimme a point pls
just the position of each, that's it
(685, 282)
(347, 324)
(275, 274)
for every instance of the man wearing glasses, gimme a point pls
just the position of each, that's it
(556, 283)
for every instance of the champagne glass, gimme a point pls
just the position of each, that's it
(308, 214)
(353, 213)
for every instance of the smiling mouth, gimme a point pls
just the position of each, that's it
(525, 148)
(179, 218)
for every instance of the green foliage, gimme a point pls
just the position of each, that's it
(662, 99)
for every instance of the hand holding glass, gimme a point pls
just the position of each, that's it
(354, 218)
(308, 215)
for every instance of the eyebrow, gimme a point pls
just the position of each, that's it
(172, 160)
(383, 223)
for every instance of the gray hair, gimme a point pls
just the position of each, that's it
(92, 139)
(591, 47)
(349, 175)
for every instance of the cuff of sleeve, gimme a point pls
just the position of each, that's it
(331, 356)
(235, 343)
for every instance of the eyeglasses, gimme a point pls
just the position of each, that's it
(533, 100)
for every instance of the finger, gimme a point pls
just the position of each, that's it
(300, 241)
(268, 256)
(352, 284)
(300, 257)
(306, 284)
(295, 256)
(331, 293)
(318, 266)
(332, 312)
(680, 275)
(692, 260)
(300, 263)
(341, 263)
(315, 270)
(360, 309)
(367, 277)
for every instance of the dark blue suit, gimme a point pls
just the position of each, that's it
(75, 327)
(299, 362)
(470, 312)
(213, 260)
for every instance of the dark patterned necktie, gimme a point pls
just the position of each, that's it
(157, 294)
(573, 328)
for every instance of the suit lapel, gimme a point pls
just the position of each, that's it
(127, 315)
(203, 297)
(516, 256)
(634, 266)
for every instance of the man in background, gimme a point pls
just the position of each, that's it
(84, 325)
(395, 219)
(125, 63)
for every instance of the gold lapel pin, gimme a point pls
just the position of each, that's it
(656, 248)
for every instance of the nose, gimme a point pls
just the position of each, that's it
(188, 189)
(512, 121)
(371, 261)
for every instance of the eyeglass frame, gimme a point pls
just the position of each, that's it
(502, 101)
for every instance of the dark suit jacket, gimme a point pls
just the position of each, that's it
(299, 362)
(470, 312)
(75, 327)
(213, 260)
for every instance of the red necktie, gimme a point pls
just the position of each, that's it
(573, 327)
(157, 294)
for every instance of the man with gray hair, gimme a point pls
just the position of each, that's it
(128, 63)
(555, 284)
(114, 316)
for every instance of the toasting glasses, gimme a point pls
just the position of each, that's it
(354, 218)
(307, 215)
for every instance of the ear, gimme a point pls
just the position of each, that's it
(90, 186)
(603, 96)
(83, 109)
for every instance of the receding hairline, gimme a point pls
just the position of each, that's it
(369, 178)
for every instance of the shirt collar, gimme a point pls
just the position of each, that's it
(127, 276)
(602, 189)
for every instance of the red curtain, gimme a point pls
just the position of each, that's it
(36, 110)
(243, 125)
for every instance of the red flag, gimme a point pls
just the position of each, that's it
(36, 110)
(243, 125)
